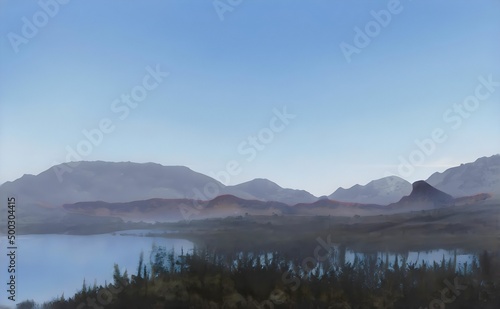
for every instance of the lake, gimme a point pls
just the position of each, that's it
(417, 257)
(50, 265)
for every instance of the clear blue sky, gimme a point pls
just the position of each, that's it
(354, 120)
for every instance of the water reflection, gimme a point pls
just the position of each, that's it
(52, 265)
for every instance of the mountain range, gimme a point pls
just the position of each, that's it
(128, 181)
(422, 197)
(266, 190)
(480, 176)
(381, 191)
(111, 186)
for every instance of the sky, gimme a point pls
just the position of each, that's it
(312, 95)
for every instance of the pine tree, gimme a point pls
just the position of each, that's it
(139, 268)
(117, 275)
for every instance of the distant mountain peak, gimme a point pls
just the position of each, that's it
(421, 185)
(225, 198)
(422, 188)
(480, 176)
(262, 182)
(266, 190)
(424, 193)
(381, 191)
(110, 182)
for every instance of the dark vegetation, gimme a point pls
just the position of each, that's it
(211, 279)
(235, 272)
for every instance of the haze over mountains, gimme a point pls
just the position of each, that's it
(266, 190)
(104, 183)
(422, 197)
(381, 191)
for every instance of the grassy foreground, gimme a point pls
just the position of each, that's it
(203, 279)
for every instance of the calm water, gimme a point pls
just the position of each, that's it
(417, 257)
(50, 265)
